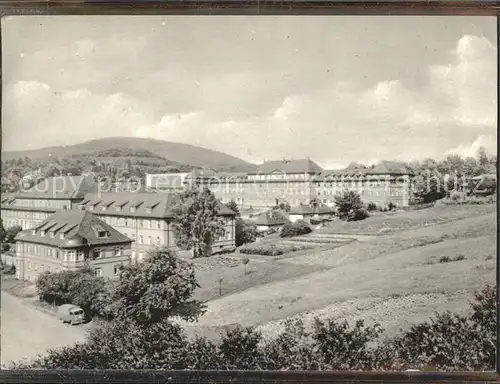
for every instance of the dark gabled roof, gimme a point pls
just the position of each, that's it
(270, 218)
(304, 209)
(147, 204)
(322, 208)
(8, 198)
(301, 210)
(61, 187)
(288, 166)
(336, 174)
(79, 228)
(390, 168)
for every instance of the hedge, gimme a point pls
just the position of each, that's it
(273, 249)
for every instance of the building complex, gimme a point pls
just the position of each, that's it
(61, 216)
(145, 219)
(298, 182)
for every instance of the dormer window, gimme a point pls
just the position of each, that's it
(42, 233)
(118, 208)
(148, 210)
(33, 231)
(104, 207)
(91, 208)
(61, 236)
(133, 206)
(102, 234)
(52, 234)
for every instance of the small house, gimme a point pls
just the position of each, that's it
(269, 220)
(317, 212)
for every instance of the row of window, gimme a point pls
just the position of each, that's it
(116, 271)
(137, 257)
(42, 203)
(117, 208)
(141, 239)
(99, 253)
(131, 222)
(280, 176)
(42, 268)
(24, 214)
(69, 255)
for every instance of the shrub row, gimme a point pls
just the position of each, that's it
(447, 342)
(316, 241)
(472, 200)
(272, 249)
(370, 207)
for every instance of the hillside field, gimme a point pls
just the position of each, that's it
(394, 278)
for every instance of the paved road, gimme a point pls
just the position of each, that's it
(27, 332)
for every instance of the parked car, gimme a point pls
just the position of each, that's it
(72, 314)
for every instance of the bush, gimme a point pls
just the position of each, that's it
(451, 342)
(350, 206)
(5, 247)
(246, 232)
(12, 232)
(447, 342)
(8, 269)
(371, 207)
(288, 230)
(456, 196)
(122, 344)
(445, 259)
(391, 206)
(343, 347)
(298, 228)
(160, 287)
(360, 214)
(80, 288)
(239, 349)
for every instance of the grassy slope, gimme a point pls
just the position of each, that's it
(387, 279)
(177, 152)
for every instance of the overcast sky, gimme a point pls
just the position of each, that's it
(335, 88)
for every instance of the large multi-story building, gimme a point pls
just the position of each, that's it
(166, 181)
(69, 240)
(144, 217)
(147, 219)
(30, 207)
(298, 182)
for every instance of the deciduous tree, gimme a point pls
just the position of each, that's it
(233, 207)
(246, 232)
(158, 288)
(197, 224)
(350, 206)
